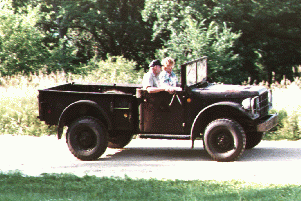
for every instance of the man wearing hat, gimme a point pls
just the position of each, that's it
(151, 81)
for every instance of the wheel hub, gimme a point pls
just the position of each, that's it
(224, 142)
(86, 140)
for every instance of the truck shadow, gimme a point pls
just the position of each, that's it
(198, 154)
(156, 154)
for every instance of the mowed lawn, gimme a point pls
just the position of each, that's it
(15, 186)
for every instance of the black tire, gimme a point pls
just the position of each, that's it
(87, 138)
(253, 139)
(120, 140)
(224, 140)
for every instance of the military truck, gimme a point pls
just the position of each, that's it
(228, 118)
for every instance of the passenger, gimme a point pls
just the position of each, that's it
(151, 81)
(167, 76)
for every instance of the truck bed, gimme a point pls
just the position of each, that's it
(95, 88)
(53, 101)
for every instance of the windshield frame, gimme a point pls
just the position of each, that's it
(193, 72)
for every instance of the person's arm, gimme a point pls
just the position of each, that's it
(168, 89)
(154, 89)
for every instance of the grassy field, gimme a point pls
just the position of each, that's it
(286, 102)
(15, 186)
(19, 103)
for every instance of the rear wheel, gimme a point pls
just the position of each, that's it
(87, 138)
(253, 139)
(224, 140)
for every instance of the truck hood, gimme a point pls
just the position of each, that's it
(230, 91)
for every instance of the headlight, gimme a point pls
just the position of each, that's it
(246, 104)
(251, 104)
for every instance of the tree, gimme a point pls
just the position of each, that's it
(270, 40)
(270, 30)
(20, 41)
(98, 28)
(192, 37)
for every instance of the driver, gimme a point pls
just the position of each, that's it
(151, 81)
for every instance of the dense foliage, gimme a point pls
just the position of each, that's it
(257, 39)
(20, 41)
(190, 36)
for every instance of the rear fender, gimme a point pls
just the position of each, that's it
(66, 117)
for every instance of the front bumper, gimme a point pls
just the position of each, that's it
(267, 123)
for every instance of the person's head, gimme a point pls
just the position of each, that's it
(155, 65)
(168, 64)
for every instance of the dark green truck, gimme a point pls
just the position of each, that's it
(228, 118)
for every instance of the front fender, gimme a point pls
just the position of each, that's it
(214, 111)
(98, 110)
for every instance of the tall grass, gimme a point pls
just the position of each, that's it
(286, 102)
(19, 103)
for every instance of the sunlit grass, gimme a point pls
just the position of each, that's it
(19, 103)
(287, 99)
(286, 102)
(19, 111)
(15, 186)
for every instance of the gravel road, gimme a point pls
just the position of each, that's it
(269, 162)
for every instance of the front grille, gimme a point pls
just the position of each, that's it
(264, 104)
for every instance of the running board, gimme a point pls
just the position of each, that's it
(164, 136)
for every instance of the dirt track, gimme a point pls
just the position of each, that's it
(269, 162)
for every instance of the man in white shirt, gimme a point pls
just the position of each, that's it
(151, 81)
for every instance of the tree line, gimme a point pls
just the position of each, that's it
(252, 39)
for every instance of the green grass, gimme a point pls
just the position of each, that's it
(15, 186)
(19, 111)
(286, 102)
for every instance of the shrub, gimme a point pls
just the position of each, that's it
(115, 69)
(287, 128)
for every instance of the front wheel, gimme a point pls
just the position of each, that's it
(87, 138)
(224, 140)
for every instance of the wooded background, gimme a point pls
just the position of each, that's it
(251, 40)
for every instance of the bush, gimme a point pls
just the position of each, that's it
(115, 69)
(20, 41)
(288, 127)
